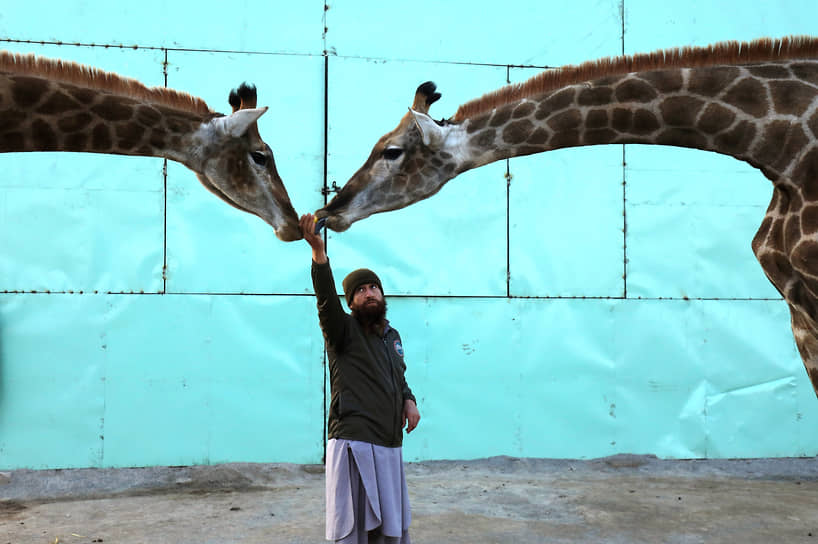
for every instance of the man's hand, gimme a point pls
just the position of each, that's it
(410, 415)
(316, 241)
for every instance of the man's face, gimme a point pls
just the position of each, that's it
(366, 296)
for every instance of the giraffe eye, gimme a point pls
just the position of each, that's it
(392, 153)
(258, 157)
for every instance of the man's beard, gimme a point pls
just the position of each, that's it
(371, 316)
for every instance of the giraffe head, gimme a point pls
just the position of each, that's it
(408, 164)
(238, 166)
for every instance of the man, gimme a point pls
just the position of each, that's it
(367, 499)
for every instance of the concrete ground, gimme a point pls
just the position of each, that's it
(621, 499)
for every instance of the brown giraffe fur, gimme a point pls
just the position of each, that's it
(757, 102)
(51, 105)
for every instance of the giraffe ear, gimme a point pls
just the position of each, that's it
(431, 133)
(237, 123)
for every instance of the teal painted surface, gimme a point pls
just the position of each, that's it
(517, 32)
(126, 380)
(691, 219)
(213, 247)
(252, 25)
(534, 323)
(421, 249)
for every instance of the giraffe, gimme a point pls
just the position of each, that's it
(756, 101)
(51, 105)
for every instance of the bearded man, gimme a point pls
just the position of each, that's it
(371, 403)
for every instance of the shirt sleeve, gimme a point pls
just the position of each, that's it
(331, 314)
(405, 390)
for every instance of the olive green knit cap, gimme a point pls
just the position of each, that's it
(355, 279)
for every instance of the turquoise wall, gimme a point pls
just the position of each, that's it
(534, 324)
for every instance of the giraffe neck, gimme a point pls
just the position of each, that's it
(42, 115)
(765, 114)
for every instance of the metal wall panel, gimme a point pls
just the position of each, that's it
(566, 233)
(67, 218)
(52, 380)
(691, 218)
(104, 380)
(206, 379)
(688, 355)
(212, 247)
(650, 25)
(451, 244)
(253, 25)
(589, 378)
(513, 32)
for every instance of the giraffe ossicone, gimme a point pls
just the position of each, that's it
(51, 105)
(756, 101)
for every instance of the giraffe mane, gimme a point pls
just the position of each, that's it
(79, 74)
(733, 52)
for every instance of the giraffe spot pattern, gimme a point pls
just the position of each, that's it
(807, 171)
(567, 138)
(796, 141)
(556, 102)
(77, 141)
(523, 110)
(635, 90)
(500, 117)
(101, 138)
(147, 116)
(157, 138)
(27, 91)
(622, 120)
(11, 141)
(806, 71)
(809, 219)
(11, 119)
(44, 135)
(596, 119)
(750, 96)
(74, 123)
(599, 136)
(763, 230)
(813, 124)
(715, 118)
(83, 96)
(770, 71)
(792, 230)
(518, 131)
(681, 111)
(805, 255)
(644, 122)
(736, 140)
(595, 96)
(112, 109)
(712, 81)
(683, 137)
(484, 139)
(769, 147)
(566, 120)
(129, 135)
(664, 81)
(791, 97)
(777, 267)
(58, 103)
(539, 136)
(477, 123)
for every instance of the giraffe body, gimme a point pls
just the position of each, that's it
(757, 102)
(47, 105)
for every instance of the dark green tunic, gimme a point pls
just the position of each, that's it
(368, 387)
